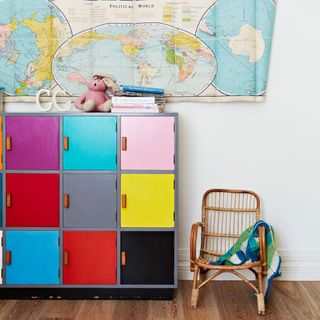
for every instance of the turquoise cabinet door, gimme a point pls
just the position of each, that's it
(90, 143)
(33, 257)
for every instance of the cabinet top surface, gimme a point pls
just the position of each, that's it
(90, 114)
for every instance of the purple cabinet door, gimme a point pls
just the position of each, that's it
(32, 143)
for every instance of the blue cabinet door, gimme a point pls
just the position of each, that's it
(90, 143)
(33, 257)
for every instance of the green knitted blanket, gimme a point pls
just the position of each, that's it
(247, 249)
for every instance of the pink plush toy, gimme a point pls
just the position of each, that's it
(96, 99)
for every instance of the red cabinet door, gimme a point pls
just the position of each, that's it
(89, 257)
(32, 200)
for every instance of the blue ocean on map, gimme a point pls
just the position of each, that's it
(239, 33)
(144, 54)
(30, 34)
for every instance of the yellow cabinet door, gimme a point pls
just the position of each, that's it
(147, 200)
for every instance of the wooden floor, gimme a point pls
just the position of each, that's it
(218, 300)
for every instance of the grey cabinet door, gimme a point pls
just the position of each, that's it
(90, 200)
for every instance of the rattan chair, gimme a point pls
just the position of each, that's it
(225, 215)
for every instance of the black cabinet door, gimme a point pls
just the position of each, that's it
(147, 257)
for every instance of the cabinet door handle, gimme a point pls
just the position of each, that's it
(8, 143)
(124, 143)
(123, 258)
(123, 201)
(9, 200)
(8, 257)
(66, 200)
(65, 258)
(66, 143)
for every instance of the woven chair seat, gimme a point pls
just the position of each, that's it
(206, 264)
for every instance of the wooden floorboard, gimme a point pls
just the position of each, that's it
(225, 300)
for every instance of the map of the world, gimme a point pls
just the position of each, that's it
(153, 55)
(240, 34)
(30, 34)
(215, 50)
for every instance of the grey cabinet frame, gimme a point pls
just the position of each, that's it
(121, 290)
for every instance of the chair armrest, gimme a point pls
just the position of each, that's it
(193, 243)
(263, 252)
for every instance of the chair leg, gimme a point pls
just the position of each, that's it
(203, 276)
(260, 295)
(195, 290)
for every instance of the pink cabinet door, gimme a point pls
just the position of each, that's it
(147, 143)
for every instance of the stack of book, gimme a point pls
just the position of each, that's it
(138, 99)
(134, 104)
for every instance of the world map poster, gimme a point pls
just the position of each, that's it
(202, 50)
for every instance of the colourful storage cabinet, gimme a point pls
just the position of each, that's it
(88, 205)
(32, 257)
(90, 143)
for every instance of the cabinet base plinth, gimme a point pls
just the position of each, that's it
(87, 293)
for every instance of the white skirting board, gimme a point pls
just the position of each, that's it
(297, 265)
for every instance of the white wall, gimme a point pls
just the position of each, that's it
(272, 148)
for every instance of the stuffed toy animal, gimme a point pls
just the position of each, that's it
(96, 98)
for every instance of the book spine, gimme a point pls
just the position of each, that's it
(143, 89)
(134, 106)
(119, 110)
(132, 100)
